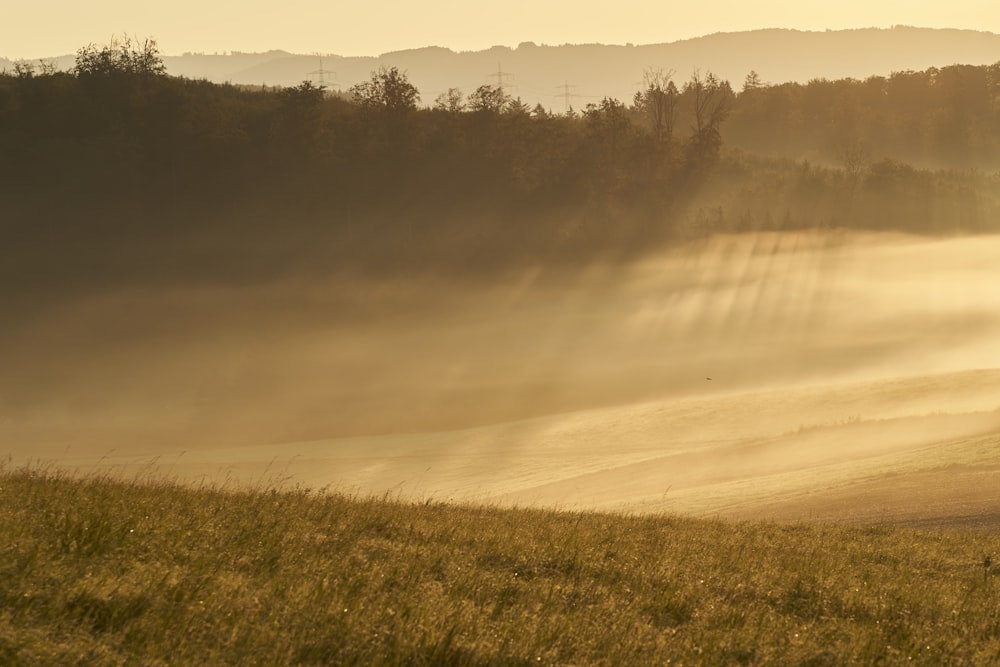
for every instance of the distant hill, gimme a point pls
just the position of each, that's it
(540, 74)
(546, 74)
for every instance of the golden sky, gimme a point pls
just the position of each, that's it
(56, 27)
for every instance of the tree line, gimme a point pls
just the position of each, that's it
(117, 149)
(946, 117)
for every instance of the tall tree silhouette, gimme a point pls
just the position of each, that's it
(388, 89)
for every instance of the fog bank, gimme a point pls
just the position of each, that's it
(737, 337)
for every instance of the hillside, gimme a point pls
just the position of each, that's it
(99, 572)
(537, 73)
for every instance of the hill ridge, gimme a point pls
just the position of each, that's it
(597, 70)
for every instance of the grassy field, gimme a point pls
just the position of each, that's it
(102, 572)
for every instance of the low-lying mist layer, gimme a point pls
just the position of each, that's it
(737, 330)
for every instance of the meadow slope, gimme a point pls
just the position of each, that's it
(103, 572)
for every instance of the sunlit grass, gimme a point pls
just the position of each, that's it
(99, 571)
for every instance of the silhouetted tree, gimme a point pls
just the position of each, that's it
(609, 123)
(488, 99)
(122, 56)
(450, 101)
(23, 70)
(516, 106)
(296, 127)
(752, 81)
(388, 89)
(658, 103)
(711, 101)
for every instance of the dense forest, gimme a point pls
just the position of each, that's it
(115, 168)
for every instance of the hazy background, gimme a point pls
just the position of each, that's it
(575, 75)
(32, 30)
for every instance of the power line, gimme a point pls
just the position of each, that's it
(322, 74)
(500, 74)
(565, 94)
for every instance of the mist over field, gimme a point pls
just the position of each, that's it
(753, 355)
(778, 300)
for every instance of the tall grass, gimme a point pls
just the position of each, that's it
(105, 572)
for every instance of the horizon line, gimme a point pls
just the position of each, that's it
(525, 43)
